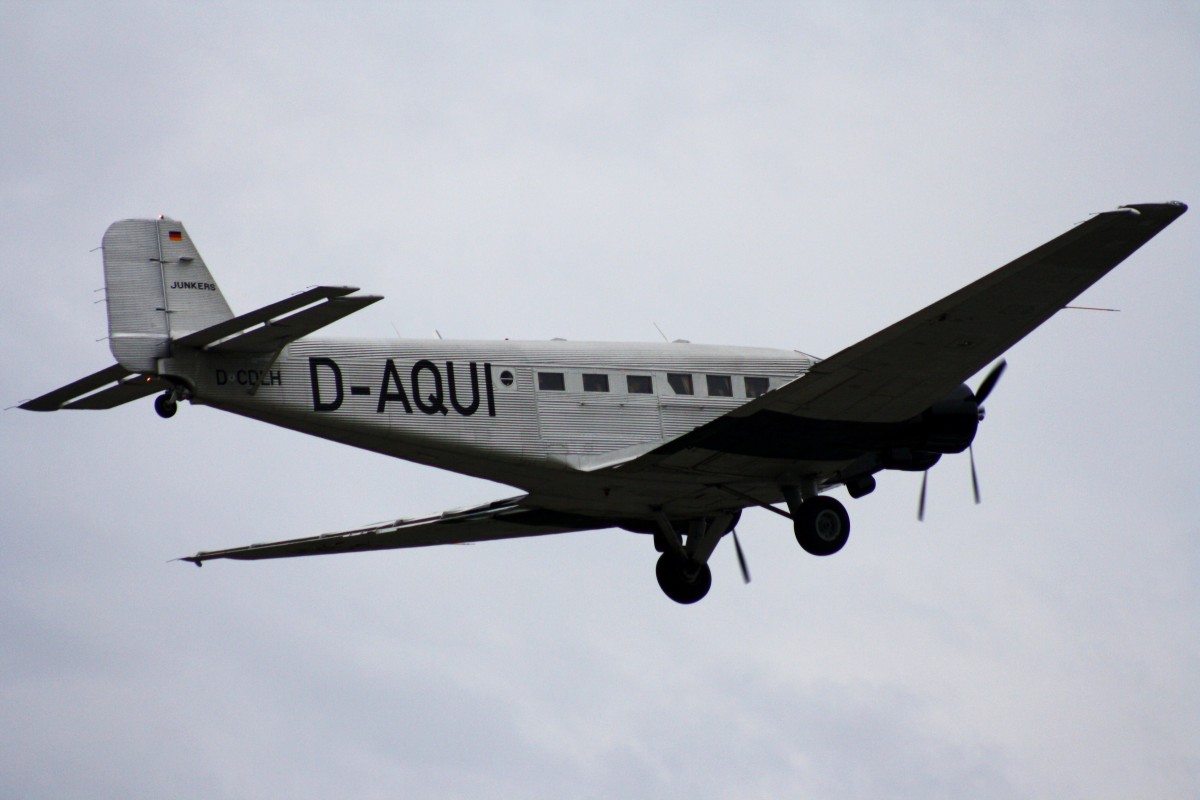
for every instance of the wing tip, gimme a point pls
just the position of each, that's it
(1170, 209)
(39, 405)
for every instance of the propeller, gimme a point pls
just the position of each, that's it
(981, 394)
(974, 477)
(737, 546)
(989, 382)
(921, 503)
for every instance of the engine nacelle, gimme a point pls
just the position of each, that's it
(949, 425)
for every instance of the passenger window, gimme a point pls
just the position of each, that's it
(720, 386)
(595, 383)
(639, 384)
(552, 381)
(757, 387)
(680, 382)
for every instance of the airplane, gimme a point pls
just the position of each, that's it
(672, 440)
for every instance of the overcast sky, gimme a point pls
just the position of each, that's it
(795, 175)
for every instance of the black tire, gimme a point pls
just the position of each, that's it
(165, 406)
(674, 579)
(823, 526)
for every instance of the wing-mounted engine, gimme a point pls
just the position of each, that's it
(949, 425)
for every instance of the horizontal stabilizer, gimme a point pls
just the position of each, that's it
(126, 386)
(275, 334)
(126, 391)
(268, 329)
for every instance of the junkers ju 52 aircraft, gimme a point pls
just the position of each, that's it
(671, 440)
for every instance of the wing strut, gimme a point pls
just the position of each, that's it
(754, 500)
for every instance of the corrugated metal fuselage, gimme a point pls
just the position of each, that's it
(479, 408)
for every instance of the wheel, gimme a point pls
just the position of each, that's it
(165, 405)
(676, 582)
(823, 526)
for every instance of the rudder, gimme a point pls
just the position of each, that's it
(158, 289)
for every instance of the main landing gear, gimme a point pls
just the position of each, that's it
(822, 526)
(682, 570)
(681, 579)
(821, 523)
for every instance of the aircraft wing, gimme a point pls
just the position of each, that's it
(897, 373)
(502, 519)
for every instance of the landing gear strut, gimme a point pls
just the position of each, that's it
(682, 570)
(166, 405)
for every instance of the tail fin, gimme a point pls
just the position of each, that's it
(158, 289)
(161, 298)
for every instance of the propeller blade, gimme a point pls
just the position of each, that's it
(737, 546)
(989, 382)
(921, 503)
(974, 477)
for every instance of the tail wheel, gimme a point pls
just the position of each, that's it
(681, 580)
(822, 526)
(165, 405)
